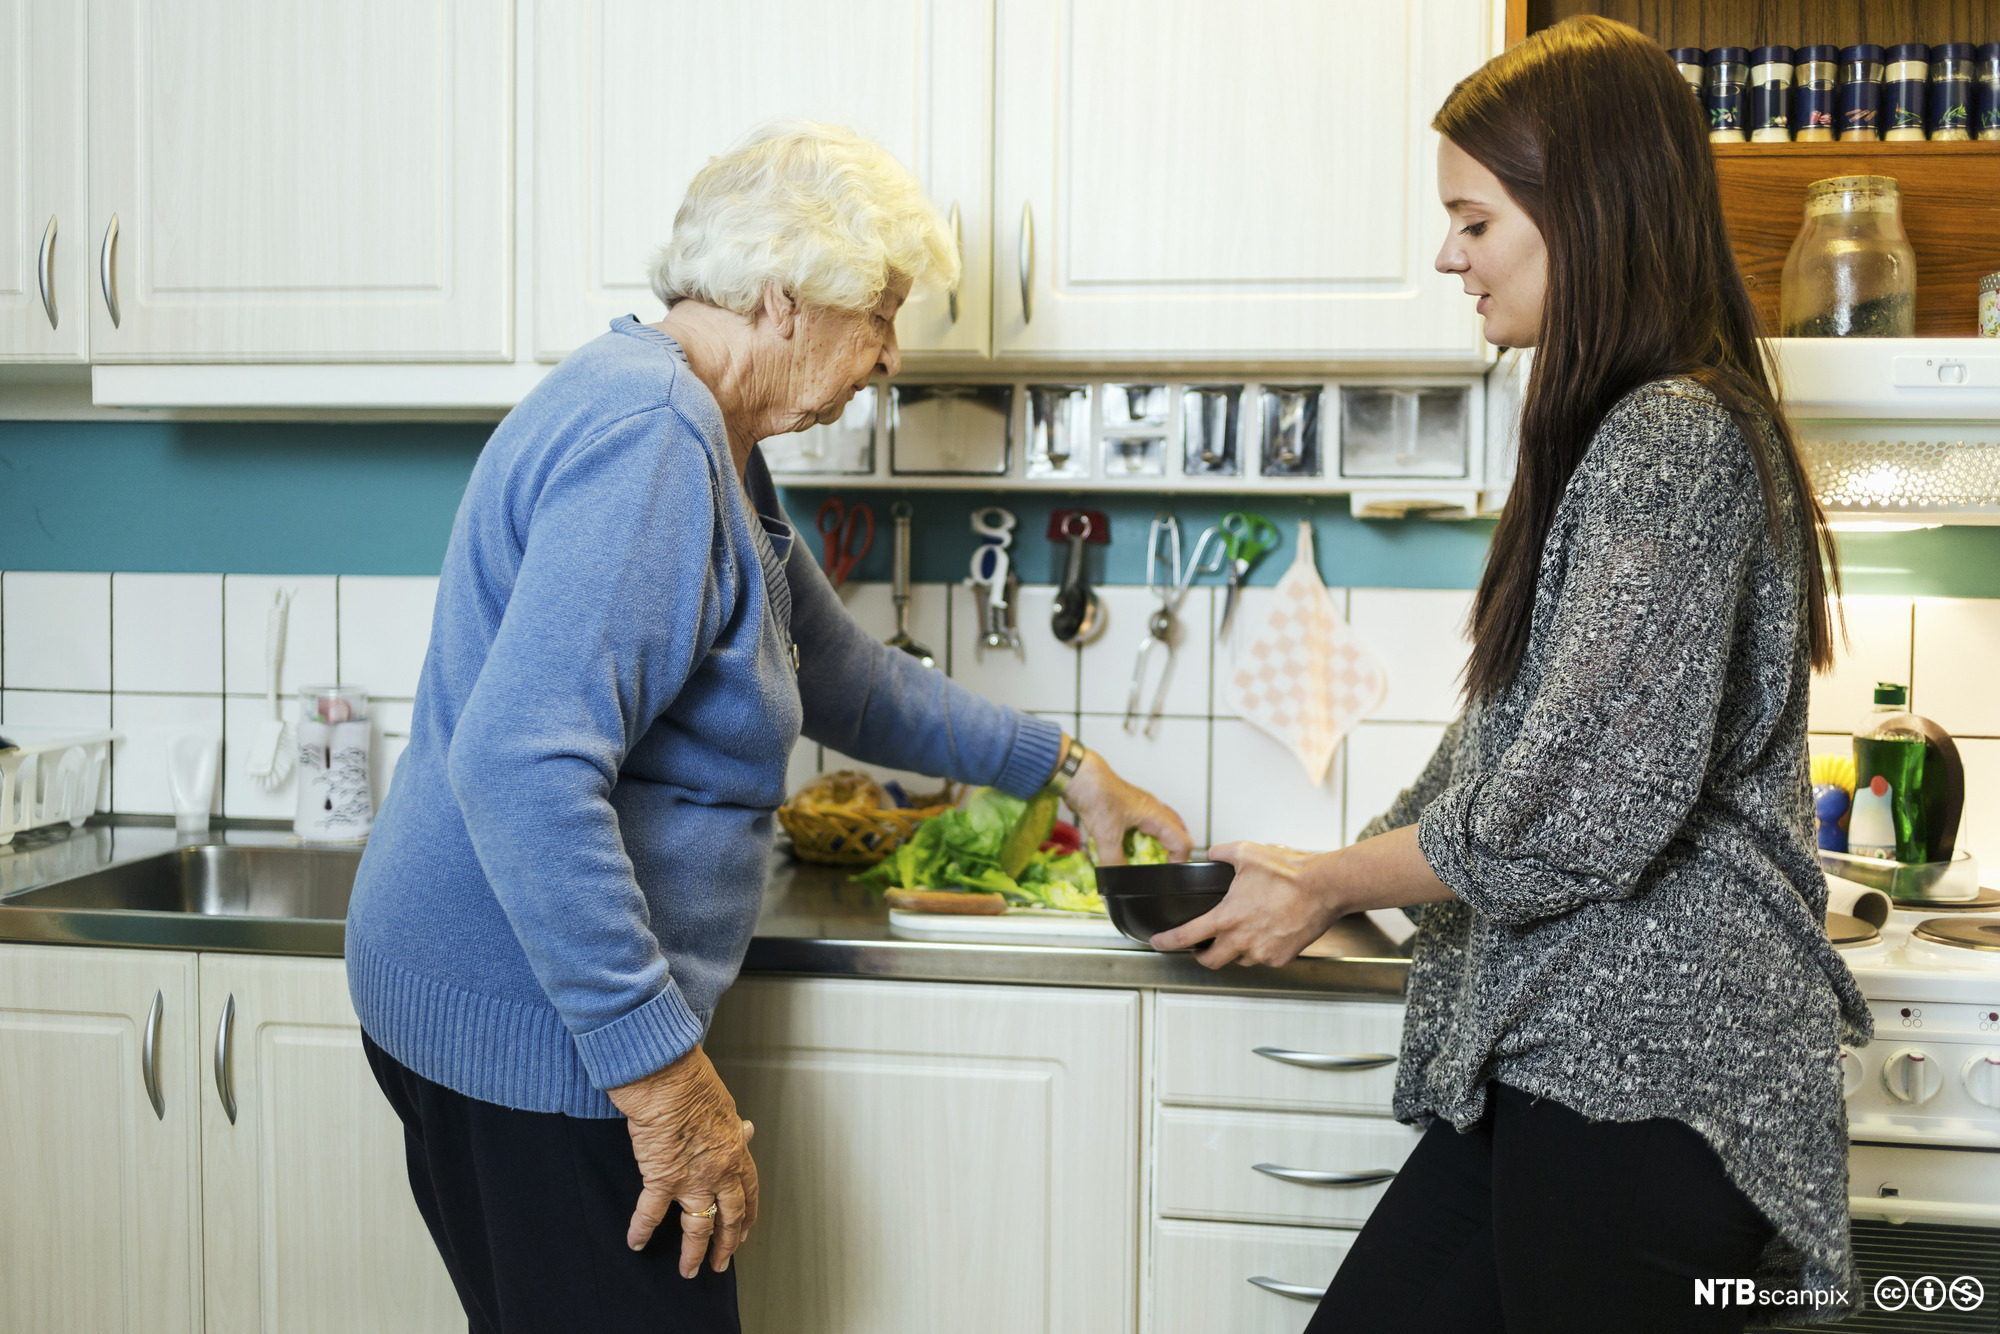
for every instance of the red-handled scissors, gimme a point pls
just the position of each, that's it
(840, 524)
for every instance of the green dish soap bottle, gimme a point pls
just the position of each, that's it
(1909, 785)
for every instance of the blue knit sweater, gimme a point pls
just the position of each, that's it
(566, 873)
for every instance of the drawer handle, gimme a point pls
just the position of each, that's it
(1298, 1292)
(1313, 1060)
(1306, 1176)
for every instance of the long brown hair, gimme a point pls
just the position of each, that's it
(1591, 130)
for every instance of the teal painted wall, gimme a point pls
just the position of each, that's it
(355, 498)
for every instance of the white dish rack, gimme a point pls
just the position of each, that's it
(52, 775)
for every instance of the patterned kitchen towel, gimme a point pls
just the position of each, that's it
(1306, 678)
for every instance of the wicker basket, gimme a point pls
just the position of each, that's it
(857, 835)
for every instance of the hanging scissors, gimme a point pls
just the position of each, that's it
(1170, 586)
(839, 525)
(1246, 538)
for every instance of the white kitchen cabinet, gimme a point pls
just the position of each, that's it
(632, 98)
(284, 180)
(1186, 179)
(937, 1156)
(308, 1221)
(100, 1201)
(1202, 1276)
(43, 310)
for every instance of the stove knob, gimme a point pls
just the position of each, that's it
(1981, 1078)
(1912, 1076)
(1850, 1072)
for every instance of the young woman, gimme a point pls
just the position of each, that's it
(1624, 1015)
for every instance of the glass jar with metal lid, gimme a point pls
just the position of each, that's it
(1852, 272)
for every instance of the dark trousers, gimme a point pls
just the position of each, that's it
(529, 1211)
(1539, 1221)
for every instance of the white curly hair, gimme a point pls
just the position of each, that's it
(826, 214)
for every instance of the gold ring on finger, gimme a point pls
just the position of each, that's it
(714, 1207)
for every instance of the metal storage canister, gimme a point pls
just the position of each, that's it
(1815, 88)
(1771, 95)
(1851, 272)
(1860, 93)
(1989, 306)
(1951, 91)
(1692, 62)
(1986, 90)
(1728, 68)
(1906, 92)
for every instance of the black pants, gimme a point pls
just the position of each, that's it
(529, 1211)
(1538, 1221)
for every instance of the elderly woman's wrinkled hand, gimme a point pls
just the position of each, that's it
(1276, 906)
(1106, 806)
(694, 1150)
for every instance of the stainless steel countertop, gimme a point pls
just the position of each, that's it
(813, 922)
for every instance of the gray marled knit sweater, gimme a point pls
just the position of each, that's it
(1638, 929)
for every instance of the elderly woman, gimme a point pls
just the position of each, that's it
(629, 639)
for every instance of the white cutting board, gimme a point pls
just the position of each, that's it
(1066, 930)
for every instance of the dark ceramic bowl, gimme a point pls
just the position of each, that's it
(1146, 900)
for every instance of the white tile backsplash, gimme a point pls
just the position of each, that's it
(55, 708)
(874, 606)
(149, 723)
(391, 719)
(1957, 658)
(1382, 760)
(1979, 830)
(311, 635)
(242, 796)
(1259, 791)
(58, 631)
(1108, 660)
(1418, 635)
(1172, 764)
(166, 633)
(385, 626)
(1039, 676)
(1876, 648)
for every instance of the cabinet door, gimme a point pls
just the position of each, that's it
(632, 97)
(100, 1207)
(937, 1156)
(293, 181)
(1252, 179)
(43, 311)
(308, 1217)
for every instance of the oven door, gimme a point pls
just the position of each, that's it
(1923, 1213)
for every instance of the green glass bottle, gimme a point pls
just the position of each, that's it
(1888, 816)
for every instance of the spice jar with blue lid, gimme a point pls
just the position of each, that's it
(1771, 95)
(1906, 92)
(1728, 70)
(1815, 90)
(1951, 91)
(1986, 90)
(1692, 62)
(1860, 94)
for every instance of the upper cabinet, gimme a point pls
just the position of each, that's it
(1192, 180)
(43, 313)
(632, 98)
(288, 180)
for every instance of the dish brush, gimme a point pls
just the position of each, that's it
(1836, 770)
(270, 752)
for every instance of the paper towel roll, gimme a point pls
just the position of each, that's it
(1870, 905)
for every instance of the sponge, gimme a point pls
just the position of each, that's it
(1835, 770)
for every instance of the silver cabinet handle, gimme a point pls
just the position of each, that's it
(1312, 1060)
(958, 248)
(107, 269)
(1027, 262)
(225, 1083)
(149, 1056)
(1306, 1176)
(45, 272)
(1298, 1292)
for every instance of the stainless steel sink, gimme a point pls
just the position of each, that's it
(265, 900)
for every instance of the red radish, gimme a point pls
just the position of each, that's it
(1063, 839)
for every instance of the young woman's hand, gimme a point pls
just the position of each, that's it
(693, 1150)
(1106, 806)
(1276, 906)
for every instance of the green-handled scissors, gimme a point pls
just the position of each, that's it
(1246, 537)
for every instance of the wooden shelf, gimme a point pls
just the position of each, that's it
(1951, 212)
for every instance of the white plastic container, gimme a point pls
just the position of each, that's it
(52, 776)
